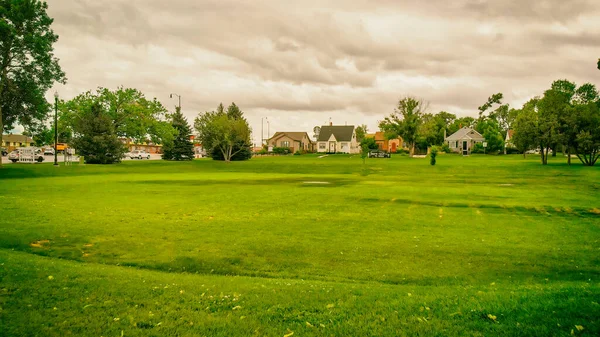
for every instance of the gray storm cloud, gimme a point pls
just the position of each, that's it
(348, 60)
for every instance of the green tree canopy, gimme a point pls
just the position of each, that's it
(28, 67)
(224, 134)
(361, 131)
(132, 115)
(405, 121)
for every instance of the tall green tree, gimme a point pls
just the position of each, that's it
(133, 115)
(405, 121)
(95, 138)
(460, 123)
(494, 99)
(224, 134)
(434, 127)
(28, 67)
(490, 130)
(180, 147)
(361, 131)
(525, 127)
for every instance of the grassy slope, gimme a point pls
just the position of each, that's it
(468, 237)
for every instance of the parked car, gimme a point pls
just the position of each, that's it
(379, 154)
(139, 154)
(48, 151)
(4, 151)
(16, 154)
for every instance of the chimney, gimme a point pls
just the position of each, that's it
(445, 134)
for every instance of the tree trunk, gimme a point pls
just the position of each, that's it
(569, 155)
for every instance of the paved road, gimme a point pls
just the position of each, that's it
(61, 159)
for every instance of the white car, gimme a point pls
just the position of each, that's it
(138, 154)
(48, 151)
(15, 155)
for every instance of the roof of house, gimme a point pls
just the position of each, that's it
(379, 136)
(297, 136)
(465, 133)
(342, 133)
(17, 139)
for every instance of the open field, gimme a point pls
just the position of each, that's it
(477, 246)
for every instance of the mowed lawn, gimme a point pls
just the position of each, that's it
(475, 246)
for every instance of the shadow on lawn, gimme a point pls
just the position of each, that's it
(300, 182)
(540, 210)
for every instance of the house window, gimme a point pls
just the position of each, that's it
(322, 146)
(456, 144)
(285, 144)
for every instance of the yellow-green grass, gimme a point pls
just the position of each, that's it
(301, 239)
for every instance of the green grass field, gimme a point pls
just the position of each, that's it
(477, 246)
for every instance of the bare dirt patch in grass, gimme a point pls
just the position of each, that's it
(40, 243)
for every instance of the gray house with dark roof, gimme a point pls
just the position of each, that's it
(337, 139)
(463, 140)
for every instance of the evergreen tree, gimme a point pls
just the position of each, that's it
(96, 139)
(180, 148)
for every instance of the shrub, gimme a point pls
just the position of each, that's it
(478, 148)
(402, 151)
(263, 151)
(281, 150)
(297, 153)
(512, 150)
(446, 148)
(432, 154)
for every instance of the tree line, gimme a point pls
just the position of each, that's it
(565, 117)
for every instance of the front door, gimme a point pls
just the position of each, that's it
(465, 149)
(393, 148)
(331, 147)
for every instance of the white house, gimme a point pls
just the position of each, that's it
(463, 140)
(337, 139)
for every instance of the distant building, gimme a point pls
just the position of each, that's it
(508, 141)
(147, 146)
(390, 145)
(11, 142)
(463, 140)
(295, 141)
(337, 139)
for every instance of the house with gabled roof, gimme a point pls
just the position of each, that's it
(11, 142)
(295, 141)
(337, 139)
(463, 140)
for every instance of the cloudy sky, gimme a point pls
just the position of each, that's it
(300, 63)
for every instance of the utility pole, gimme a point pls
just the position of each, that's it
(179, 97)
(55, 128)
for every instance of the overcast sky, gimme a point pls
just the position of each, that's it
(299, 63)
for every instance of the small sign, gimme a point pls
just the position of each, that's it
(484, 144)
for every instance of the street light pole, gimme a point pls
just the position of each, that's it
(262, 132)
(55, 128)
(178, 96)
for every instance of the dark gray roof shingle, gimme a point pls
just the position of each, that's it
(343, 133)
